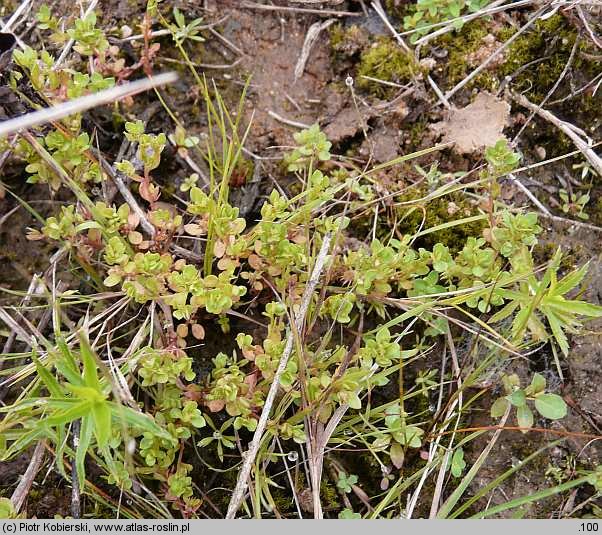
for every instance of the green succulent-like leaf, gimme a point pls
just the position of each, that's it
(458, 463)
(499, 407)
(551, 406)
(524, 417)
(518, 398)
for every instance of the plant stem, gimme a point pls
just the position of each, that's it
(249, 456)
(75, 491)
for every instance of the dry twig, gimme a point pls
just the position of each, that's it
(571, 131)
(20, 493)
(310, 39)
(47, 115)
(322, 12)
(251, 454)
(495, 54)
(284, 120)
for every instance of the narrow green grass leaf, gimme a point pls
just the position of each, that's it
(530, 498)
(85, 438)
(101, 414)
(482, 493)
(90, 365)
(48, 379)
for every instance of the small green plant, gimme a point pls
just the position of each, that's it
(348, 514)
(89, 39)
(182, 31)
(429, 14)
(80, 395)
(7, 510)
(548, 405)
(312, 146)
(158, 411)
(493, 275)
(573, 203)
(458, 464)
(346, 482)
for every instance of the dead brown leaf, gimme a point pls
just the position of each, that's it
(476, 126)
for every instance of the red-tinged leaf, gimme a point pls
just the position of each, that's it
(397, 455)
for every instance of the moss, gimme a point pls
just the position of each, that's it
(337, 35)
(595, 212)
(408, 220)
(543, 252)
(329, 495)
(8, 7)
(460, 45)
(548, 47)
(535, 59)
(436, 213)
(415, 133)
(8, 253)
(347, 41)
(396, 8)
(282, 501)
(386, 61)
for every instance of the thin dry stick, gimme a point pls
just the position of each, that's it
(567, 128)
(376, 5)
(8, 215)
(310, 39)
(290, 479)
(588, 28)
(9, 23)
(491, 8)
(76, 508)
(47, 115)
(551, 91)
(161, 33)
(229, 44)
(552, 160)
(127, 195)
(526, 429)
(322, 12)
(573, 222)
(576, 92)
(251, 454)
(381, 13)
(129, 198)
(20, 493)
(15, 327)
(316, 459)
(439, 482)
(457, 401)
(286, 121)
(532, 197)
(480, 460)
(484, 65)
(71, 42)
(31, 290)
(438, 92)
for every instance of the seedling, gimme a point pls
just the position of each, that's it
(550, 406)
(574, 204)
